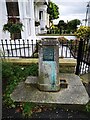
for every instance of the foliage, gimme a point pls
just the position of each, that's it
(13, 27)
(83, 32)
(27, 108)
(87, 107)
(72, 25)
(53, 11)
(62, 40)
(65, 28)
(62, 26)
(11, 76)
(53, 29)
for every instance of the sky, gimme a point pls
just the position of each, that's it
(71, 9)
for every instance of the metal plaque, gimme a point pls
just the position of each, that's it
(48, 54)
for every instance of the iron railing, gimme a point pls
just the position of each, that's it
(67, 49)
(27, 48)
(17, 48)
(83, 57)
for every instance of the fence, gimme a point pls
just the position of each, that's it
(67, 49)
(17, 48)
(83, 57)
(26, 48)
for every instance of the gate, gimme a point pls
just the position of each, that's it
(83, 57)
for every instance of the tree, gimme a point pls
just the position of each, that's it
(72, 25)
(62, 25)
(83, 32)
(53, 11)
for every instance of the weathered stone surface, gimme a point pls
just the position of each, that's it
(49, 41)
(74, 94)
(49, 65)
(72, 79)
(65, 62)
(66, 69)
(31, 80)
(63, 83)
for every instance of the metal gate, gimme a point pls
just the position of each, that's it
(83, 57)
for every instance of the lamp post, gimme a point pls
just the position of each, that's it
(88, 14)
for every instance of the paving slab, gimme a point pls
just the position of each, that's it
(86, 78)
(75, 93)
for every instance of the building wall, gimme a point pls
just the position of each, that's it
(28, 13)
(3, 20)
(44, 20)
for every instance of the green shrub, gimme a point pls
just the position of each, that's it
(87, 107)
(27, 108)
(83, 32)
(12, 75)
(62, 40)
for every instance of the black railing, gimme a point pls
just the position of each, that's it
(27, 48)
(68, 49)
(16, 48)
(83, 57)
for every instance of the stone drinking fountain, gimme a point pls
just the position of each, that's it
(50, 86)
(48, 79)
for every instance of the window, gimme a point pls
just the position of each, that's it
(12, 8)
(13, 11)
(40, 15)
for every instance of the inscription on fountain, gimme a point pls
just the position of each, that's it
(48, 54)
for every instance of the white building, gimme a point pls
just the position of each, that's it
(26, 11)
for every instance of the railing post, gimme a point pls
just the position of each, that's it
(32, 47)
(79, 56)
(3, 52)
(24, 48)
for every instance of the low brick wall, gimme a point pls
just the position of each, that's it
(65, 65)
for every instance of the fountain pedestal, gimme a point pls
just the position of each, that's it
(48, 79)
